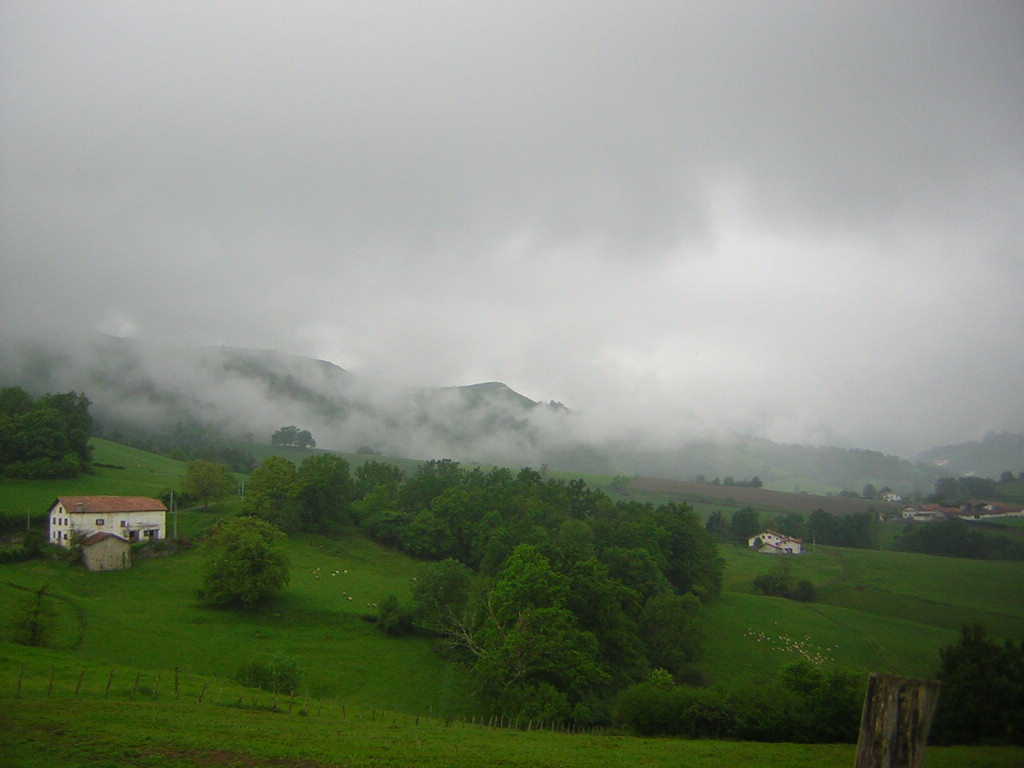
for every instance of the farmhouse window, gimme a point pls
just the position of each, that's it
(99, 521)
(124, 523)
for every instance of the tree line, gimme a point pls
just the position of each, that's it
(44, 437)
(553, 597)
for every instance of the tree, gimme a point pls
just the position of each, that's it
(691, 556)
(45, 438)
(323, 489)
(270, 493)
(670, 628)
(245, 563)
(440, 597)
(745, 523)
(982, 696)
(869, 491)
(293, 437)
(205, 481)
(780, 582)
(393, 618)
(716, 525)
(533, 660)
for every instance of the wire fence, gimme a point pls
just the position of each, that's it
(119, 684)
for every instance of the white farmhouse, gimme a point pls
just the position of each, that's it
(133, 518)
(773, 543)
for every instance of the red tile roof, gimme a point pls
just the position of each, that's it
(100, 504)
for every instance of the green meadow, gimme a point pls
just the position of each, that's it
(135, 647)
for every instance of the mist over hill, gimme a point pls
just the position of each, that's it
(248, 394)
(995, 453)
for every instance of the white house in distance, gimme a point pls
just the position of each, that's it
(773, 543)
(133, 518)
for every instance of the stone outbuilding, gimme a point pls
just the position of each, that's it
(105, 551)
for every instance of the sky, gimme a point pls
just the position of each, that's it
(798, 220)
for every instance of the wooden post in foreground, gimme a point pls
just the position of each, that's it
(894, 724)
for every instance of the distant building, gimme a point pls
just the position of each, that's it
(773, 543)
(927, 513)
(132, 518)
(104, 551)
(891, 496)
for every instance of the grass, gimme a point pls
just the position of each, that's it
(147, 618)
(61, 729)
(876, 611)
(127, 472)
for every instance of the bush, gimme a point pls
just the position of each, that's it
(33, 620)
(280, 675)
(804, 704)
(982, 697)
(393, 618)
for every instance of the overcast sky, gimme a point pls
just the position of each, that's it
(802, 220)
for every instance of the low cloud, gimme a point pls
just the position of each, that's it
(802, 221)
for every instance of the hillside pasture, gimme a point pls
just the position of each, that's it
(873, 611)
(118, 471)
(759, 498)
(147, 617)
(55, 728)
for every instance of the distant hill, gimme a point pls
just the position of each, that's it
(994, 454)
(248, 394)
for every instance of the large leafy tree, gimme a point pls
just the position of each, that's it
(270, 493)
(745, 523)
(440, 598)
(245, 563)
(671, 631)
(323, 490)
(207, 481)
(292, 437)
(534, 660)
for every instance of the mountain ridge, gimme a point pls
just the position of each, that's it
(249, 393)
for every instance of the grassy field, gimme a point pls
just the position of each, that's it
(123, 471)
(67, 731)
(876, 611)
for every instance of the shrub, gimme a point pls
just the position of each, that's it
(804, 704)
(280, 675)
(33, 620)
(393, 618)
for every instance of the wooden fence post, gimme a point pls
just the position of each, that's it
(895, 721)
